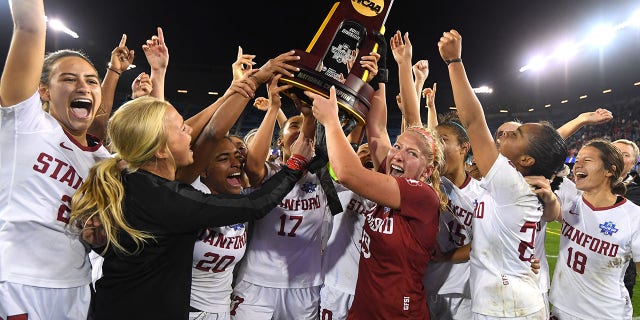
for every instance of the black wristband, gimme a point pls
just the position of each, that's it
(448, 62)
(382, 76)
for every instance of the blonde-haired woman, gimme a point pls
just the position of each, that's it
(150, 219)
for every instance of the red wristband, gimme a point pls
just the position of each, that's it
(297, 162)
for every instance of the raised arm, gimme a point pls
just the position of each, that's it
(469, 107)
(261, 142)
(21, 75)
(243, 64)
(599, 116)
(121, 59)
(157, 53)
(402, 52)
(345, 163)
(432, 114)
(376, 127)
(219, 124)
(240, 68)
(262, 104)
(420, 73)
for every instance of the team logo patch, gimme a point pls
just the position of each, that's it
(237, 226)
(412, 182)
(608, 228)
(309, 187)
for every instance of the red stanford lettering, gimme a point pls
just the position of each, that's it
(58, 170)
(301, 204)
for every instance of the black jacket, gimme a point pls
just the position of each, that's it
(156, 283)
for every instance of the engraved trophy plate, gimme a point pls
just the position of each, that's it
(331, 58)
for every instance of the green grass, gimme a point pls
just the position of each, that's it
(552, 243)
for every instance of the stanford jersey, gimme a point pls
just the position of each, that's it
(396, 248)
(215, 255)
(504, 232)
(342, 255)
(41, 167)
(285, 248)
(454, 232)
(596, 245)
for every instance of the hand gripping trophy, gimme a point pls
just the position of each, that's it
(351, 29)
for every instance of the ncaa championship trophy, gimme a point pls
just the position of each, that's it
(352, 28)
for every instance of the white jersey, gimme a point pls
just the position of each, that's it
(215, 255)
(285, 247)
(41, 167)
(567, 189)
(504, 231)
(455, 231)
(342, 255)
(596, 245)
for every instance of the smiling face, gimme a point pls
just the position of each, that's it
(589, 171)
(73, 94)
(222, 176)
(408, 157)
(178, 137)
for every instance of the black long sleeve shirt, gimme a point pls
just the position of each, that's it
(156, 283)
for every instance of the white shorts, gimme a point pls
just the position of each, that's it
(203, 315)
(539, 315)
(334, 304)
(253, 302)
(545, 297)
(37, 303)
(449, 306)
(557, 314)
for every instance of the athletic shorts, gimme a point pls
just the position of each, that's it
(539, 315)
(449, 306)
(203, 315)
(19, 301)
(334, 304)
(253, 302)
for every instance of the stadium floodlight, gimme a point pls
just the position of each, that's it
(483, 89)
(57, 25)
(634, 20)
(536, 63)
(601, 35)
(565, 51)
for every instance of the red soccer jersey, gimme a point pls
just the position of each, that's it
(396, 248)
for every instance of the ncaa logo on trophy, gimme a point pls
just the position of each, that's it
(351, 29)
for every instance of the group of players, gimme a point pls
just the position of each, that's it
(228, 234)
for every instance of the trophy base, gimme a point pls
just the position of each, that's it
(353, 95)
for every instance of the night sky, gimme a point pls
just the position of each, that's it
(499, 37)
